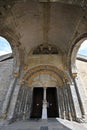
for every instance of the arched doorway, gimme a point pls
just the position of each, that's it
(44, 83)
(44, 94)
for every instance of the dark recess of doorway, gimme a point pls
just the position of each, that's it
(52, 107)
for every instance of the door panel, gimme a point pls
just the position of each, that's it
(52, 109)
(37, 103)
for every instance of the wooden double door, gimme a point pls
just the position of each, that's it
(37, 103)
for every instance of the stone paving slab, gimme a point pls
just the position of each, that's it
(44, 128)
(28, 129)
(59, 124)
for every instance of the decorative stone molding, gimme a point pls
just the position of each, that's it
(46, 49)
(74, 75)
(16, 74)
(21, 82)
(57, 77)
(58, 74)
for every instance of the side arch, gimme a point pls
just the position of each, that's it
(73, 53)
(10, 36)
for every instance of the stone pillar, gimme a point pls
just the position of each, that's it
(13, 102)
(44, 93)
(82, 95)
(8, 98)
(76, 102)
(44, 109)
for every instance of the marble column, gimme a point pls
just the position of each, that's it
(44, 109)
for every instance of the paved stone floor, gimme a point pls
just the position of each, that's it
(51, 124)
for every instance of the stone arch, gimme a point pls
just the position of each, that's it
(10, 36)
(13, 71)
(58, 74)
(58, 81)
(5, 46)
(73, 53)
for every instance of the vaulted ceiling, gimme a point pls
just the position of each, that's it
(29, 23)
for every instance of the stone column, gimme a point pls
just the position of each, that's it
(13, 102)
(82, 95)
(75, 101)
(44, 109)
(8, 98)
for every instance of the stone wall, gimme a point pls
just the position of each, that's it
(82, 71)
(6, 69)
(53, 60)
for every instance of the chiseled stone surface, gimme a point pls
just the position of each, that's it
(6, 68)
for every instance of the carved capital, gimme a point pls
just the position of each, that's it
(21, 82)
(3, 115)
(74, 75)
(16, 74)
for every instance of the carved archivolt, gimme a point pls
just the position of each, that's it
(53, 78)
(57, 76)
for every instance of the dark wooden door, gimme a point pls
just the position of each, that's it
(36, 111)
(52, 109)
